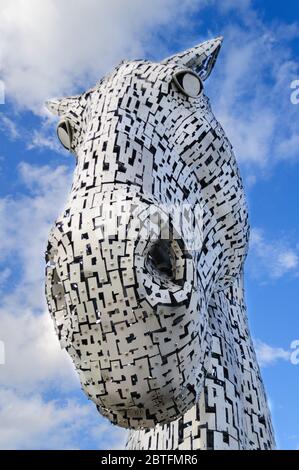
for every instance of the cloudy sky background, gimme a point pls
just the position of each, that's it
(53, 48)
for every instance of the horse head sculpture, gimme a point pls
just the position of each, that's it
(155, 224)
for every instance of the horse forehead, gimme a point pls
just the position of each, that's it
(130, 72)
(142, 69)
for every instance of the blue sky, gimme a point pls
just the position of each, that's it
(46, 52)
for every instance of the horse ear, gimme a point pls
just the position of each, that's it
(60, 106)
(201, 58)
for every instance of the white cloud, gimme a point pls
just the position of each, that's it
(30, 422)
(8, 127)
(33, 355)
(251, 89)
(268, 355)
(25, 221)
(288, 259)
(33, 358)
(242, 5)
(288, 148)
(4, 276)
(42, 140)
(271, 258)
(52, 48)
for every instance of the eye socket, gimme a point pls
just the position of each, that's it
(65, 133)
(188, 83)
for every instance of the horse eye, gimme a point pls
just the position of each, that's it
(188, 83)
(65, 133)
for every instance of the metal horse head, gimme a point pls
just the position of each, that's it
(154, 225)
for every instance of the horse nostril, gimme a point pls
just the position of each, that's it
(160, 258)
